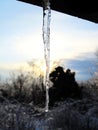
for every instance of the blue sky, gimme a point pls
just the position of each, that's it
(21, 35)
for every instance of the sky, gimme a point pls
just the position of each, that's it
(21, 36)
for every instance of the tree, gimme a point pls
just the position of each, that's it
(96, 72)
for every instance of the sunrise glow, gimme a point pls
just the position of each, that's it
(21, 37)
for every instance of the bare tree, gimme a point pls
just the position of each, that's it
(96, 72)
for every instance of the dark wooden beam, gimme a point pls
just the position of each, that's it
(85, 9)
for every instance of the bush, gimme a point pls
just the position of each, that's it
(64, 85)
(24, 88)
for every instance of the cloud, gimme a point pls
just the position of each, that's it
(14, 66)
(30, 46)
(64, 45)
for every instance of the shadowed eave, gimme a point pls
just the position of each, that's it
(85, 9)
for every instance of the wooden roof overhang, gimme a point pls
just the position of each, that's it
(85, 9)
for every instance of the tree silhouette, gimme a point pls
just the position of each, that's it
(64, 85)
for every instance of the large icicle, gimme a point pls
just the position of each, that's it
(46, 40)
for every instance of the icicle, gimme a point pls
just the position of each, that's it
(46, 40)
